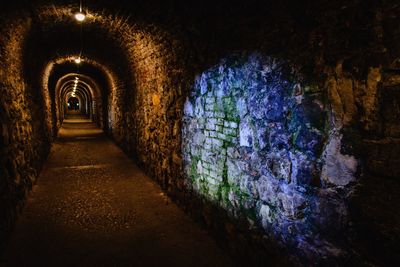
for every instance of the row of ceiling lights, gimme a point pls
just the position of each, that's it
(75, 86)
(80, 17)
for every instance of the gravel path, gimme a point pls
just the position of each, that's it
(92, 206)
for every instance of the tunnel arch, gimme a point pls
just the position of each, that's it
(94, 76)
(127, 42)
(99, 32)
(82, 88)
(73, 103)
(82, 96)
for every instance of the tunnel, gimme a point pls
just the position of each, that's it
(208, 133)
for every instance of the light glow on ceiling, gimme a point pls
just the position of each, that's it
(80, 16)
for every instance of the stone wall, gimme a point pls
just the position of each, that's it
(151, 132)
(308, 161)
(375, 204)
(24, 139)
(258, 143)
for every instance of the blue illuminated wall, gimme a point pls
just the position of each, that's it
(258, 143)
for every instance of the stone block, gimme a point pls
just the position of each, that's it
(219, 114)
(246, 133)
(212, 121)
(233, 153)
(208, 154)
(268, 189)
(199, 108)
(305, 172)
(199, 167)
(219, 128)
(309, 140)
(339, 169)
(292, 203)
(219, 122)
(267, 216)
(241, 107)
(209, 107)
(188, 108)
(216, 143)
(210, 100)
(216, 177)
(231, 132)
(213, 190)
(233, 171)
(233, 125)
(203, 84)
(247, 185)
(281, 166)
(209, 114)
(210, 126)
(222, 136)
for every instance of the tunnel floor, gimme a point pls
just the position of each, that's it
(92, 206)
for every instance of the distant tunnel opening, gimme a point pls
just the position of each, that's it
(73, 104)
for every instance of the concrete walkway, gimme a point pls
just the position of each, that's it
(93, 207)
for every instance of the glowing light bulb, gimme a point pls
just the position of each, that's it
(76, 81)
(79, 16)
(76, 78)
(77, 60)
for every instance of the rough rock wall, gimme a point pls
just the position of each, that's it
(374, 207)
(260, 145)
(24, 140)
(296, 157)
(153, 111)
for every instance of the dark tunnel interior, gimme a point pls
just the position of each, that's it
(261, 133)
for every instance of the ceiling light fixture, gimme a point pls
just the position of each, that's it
(80, 16)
